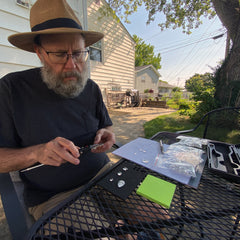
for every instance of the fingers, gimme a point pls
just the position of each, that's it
(57, 152)
(105, 136)
(69, 146)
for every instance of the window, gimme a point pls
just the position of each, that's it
(116, 87)
(143, 79)
(96, 51)
(24, 3)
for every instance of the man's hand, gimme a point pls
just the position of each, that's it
(57, 151)
(105, 136)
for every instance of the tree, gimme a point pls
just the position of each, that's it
(144, 54)
(176, 89)
(199, 82)
(203, 89)
(186, 14)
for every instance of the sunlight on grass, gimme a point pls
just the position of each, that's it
(174, 122)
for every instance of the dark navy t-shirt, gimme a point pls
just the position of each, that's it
(32, 114)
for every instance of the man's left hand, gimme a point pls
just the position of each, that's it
(106, 137)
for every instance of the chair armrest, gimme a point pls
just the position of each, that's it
(185, 131)
(13, 208)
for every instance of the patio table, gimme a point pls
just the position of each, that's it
(212, 211)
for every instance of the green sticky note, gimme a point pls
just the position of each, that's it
(157, 190)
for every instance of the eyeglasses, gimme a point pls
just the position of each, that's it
(62, 57)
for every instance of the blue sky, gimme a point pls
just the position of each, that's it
(182, 55)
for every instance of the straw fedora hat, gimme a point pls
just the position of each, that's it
(52, 17)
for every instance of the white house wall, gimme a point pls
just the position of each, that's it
(118, 51)
(14, 18)
(118, 46)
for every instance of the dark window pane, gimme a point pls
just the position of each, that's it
(95, 54)
(23, 3)
(98, 45)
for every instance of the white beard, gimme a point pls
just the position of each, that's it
(56, 82)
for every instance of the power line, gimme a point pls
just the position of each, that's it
(189, 44)
(186, 41)
(193, 52)
(214, 50)
(202, 64)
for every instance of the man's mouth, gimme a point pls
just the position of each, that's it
(73, 78)
(70, 76)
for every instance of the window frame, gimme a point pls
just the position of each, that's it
(24, 3)
(143, 79)
(95, 47)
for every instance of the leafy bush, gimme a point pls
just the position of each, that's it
(206, 104)
(203, 89)
(186, 107)
(172, 104)
(177, 96)
(146, 90)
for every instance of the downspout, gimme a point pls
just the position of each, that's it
(85, 27)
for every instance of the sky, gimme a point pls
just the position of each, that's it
(182, 55)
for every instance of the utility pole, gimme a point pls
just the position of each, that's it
(228, 40)
(178, 80)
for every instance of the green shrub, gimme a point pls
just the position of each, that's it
(186, 107)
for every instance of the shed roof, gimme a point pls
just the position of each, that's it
(141, 68)
(165, 85)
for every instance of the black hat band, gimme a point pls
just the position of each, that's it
(57, 23)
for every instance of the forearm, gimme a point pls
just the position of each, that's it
(110, 128)
(13, 159)
(54, 153)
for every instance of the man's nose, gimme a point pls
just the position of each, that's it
(70, 63)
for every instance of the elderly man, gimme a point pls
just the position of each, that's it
(48, 113)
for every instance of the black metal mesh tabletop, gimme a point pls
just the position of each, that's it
(212, 211)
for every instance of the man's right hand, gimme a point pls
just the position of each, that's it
(57, 151)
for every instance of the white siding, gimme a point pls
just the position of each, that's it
(13, 19)
(118, 51)
(118, 46)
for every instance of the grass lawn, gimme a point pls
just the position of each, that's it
(174, 122)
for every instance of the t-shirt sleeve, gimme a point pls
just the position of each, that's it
(8, 134)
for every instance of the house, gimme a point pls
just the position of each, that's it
(111, 62)
(14, 17)
(114, 67)
(165, 89)
(147, 77)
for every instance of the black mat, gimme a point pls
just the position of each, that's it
(128, 175)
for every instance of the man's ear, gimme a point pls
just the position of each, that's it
(37, 50)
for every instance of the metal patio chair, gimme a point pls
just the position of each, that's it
(18, 218)
(215, 117)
